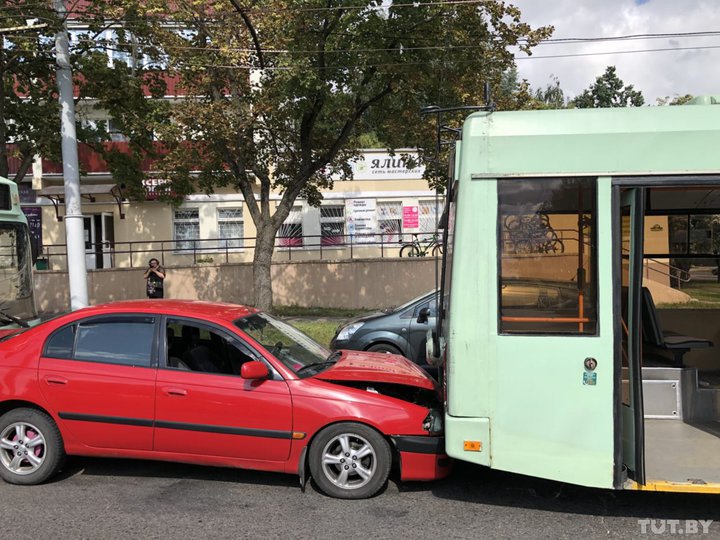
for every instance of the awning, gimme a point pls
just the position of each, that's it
(56, 194)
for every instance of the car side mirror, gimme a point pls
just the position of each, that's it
(254, 370)
(423, 315)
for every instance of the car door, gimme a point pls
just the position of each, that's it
(417, 330)
(203, 406)
(98, 374)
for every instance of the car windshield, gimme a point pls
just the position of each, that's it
(294, 349)
(16, 288)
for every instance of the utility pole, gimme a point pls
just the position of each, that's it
(74, 230)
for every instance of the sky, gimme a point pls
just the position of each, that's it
(693, 71)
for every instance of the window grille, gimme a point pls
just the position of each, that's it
(332, 225)
(428, 219)
(389, 216)
(186, 225)
(230, 227)
(291, 232)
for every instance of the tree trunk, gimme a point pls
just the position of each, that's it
(262, 266)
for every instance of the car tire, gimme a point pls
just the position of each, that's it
(384, 348)
(30, 432)
(350, 461)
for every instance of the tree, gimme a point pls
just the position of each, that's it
(29, 117)
(29, 111)
(321, 68)
(609, 91)
(552, 96)
(676, 100)
(278, 92)
(518, 95)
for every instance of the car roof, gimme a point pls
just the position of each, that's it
(186, 308)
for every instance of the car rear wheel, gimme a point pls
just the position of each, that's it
(384, 348)
(31, 448)
(350, 461)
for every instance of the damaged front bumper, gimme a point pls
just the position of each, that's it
(422, 458)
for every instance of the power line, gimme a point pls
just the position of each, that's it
(425, 48)
(607, 53)
(631, 37)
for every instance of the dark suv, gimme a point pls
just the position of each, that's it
(401, 330)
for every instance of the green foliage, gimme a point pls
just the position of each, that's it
(29, 116)
(609, 91)
(515, 95)
(676, 100)
(276, 94)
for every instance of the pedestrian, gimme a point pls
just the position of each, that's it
(154, 277)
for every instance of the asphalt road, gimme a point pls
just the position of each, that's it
(139, 499)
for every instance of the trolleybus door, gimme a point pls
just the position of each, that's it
(550, 374)
(631, 251)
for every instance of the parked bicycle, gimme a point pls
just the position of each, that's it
(420, 248)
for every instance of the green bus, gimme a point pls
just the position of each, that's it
(580, 321)
(17, 304)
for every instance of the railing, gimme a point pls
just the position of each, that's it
(134, 254)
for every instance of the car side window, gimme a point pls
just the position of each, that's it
(127, 342)
(61, 342)
(193, 346)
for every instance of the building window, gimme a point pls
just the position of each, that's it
(389, 216)
(230, 227)
(291, 232)
(115, 133)
(186, 225)
(428, 218)
(332, 225)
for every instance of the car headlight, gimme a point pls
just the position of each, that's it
(348, 331)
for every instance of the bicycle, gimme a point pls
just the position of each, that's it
(420, 248)
(532, 233)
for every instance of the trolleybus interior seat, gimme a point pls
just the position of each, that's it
(658, 339)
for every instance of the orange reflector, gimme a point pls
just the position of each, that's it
(472, 446)
(298, 435)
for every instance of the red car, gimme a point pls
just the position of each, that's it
(212, 384)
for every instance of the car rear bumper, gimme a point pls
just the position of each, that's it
(422, 458)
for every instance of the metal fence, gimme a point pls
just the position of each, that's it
(237, 250)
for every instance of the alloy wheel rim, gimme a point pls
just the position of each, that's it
(349, 461)
(22, 448)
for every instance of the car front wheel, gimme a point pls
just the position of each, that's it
(31, 448)
(384, 348)
(350, 461)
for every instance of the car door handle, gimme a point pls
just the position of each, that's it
(170, 391)
(55, 380)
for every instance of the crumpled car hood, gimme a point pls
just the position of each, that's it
(377, 368)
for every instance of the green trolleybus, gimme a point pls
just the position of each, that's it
(580, 328)
(17, 304)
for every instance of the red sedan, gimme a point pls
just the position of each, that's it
(212, 384)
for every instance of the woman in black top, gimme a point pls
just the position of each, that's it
(154, 276)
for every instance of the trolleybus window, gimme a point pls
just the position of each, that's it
(547, 254)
